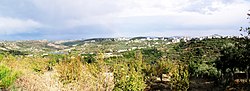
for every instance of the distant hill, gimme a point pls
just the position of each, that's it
(80, 42)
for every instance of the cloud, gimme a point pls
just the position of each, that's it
(229, 16)
(99, 18)
(208, 6)
(10, 25)
(84, 12)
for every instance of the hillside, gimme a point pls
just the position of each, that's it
(154, 64)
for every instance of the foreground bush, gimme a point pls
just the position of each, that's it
(76, 75)
(180, 78)
(127, 78)
(7, 77)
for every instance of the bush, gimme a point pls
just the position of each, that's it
(151, 55)
(77, 75)
(70, 71)
(7, 77)
(180, 78)
(89, 58)
(203, 70)
(1, 57)
(129, 75)
(161, 67)
(129, 54)
(127, 78)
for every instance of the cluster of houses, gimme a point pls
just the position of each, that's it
(174, 39)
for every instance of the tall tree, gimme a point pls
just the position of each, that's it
(247, 29)
(246, 44)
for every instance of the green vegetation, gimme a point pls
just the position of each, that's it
(162, 67)
(7, 76)
(173, 65)
(180, 78)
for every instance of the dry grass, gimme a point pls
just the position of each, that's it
(67, 75)
(84, 77)
(39, 82)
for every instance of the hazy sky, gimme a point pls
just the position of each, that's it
(76, 19)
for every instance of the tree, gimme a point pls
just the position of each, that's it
(247, 29)
(151, 55)
(246, 43)
(230, 61)
(161, 67)
(236, 57)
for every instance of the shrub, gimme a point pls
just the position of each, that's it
(85, 76)
(98, 77)
(203, 70)
(127, 78)
(129, 75)
(7, 77)
(180, 78)
(89, 58)
(161, 67)
(151, 55)
(70, 70)
(1, 56)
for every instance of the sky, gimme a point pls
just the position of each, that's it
(81, 19)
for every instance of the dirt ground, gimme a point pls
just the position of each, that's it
(199, 85)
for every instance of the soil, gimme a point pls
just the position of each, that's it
(195, 85)
(201, 85)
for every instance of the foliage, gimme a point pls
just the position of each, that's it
(246, 29)
(151, 55)
(78, 75)
(39, 66)
(203, 71)
(130, 54)
(180, 77)
(234, 58)
(89, 58)
(201, 56)
(128, 78)
(129, 75)
(139, 68)
(70, 70)
(7, 76)
(1, 56)
(161, 67)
